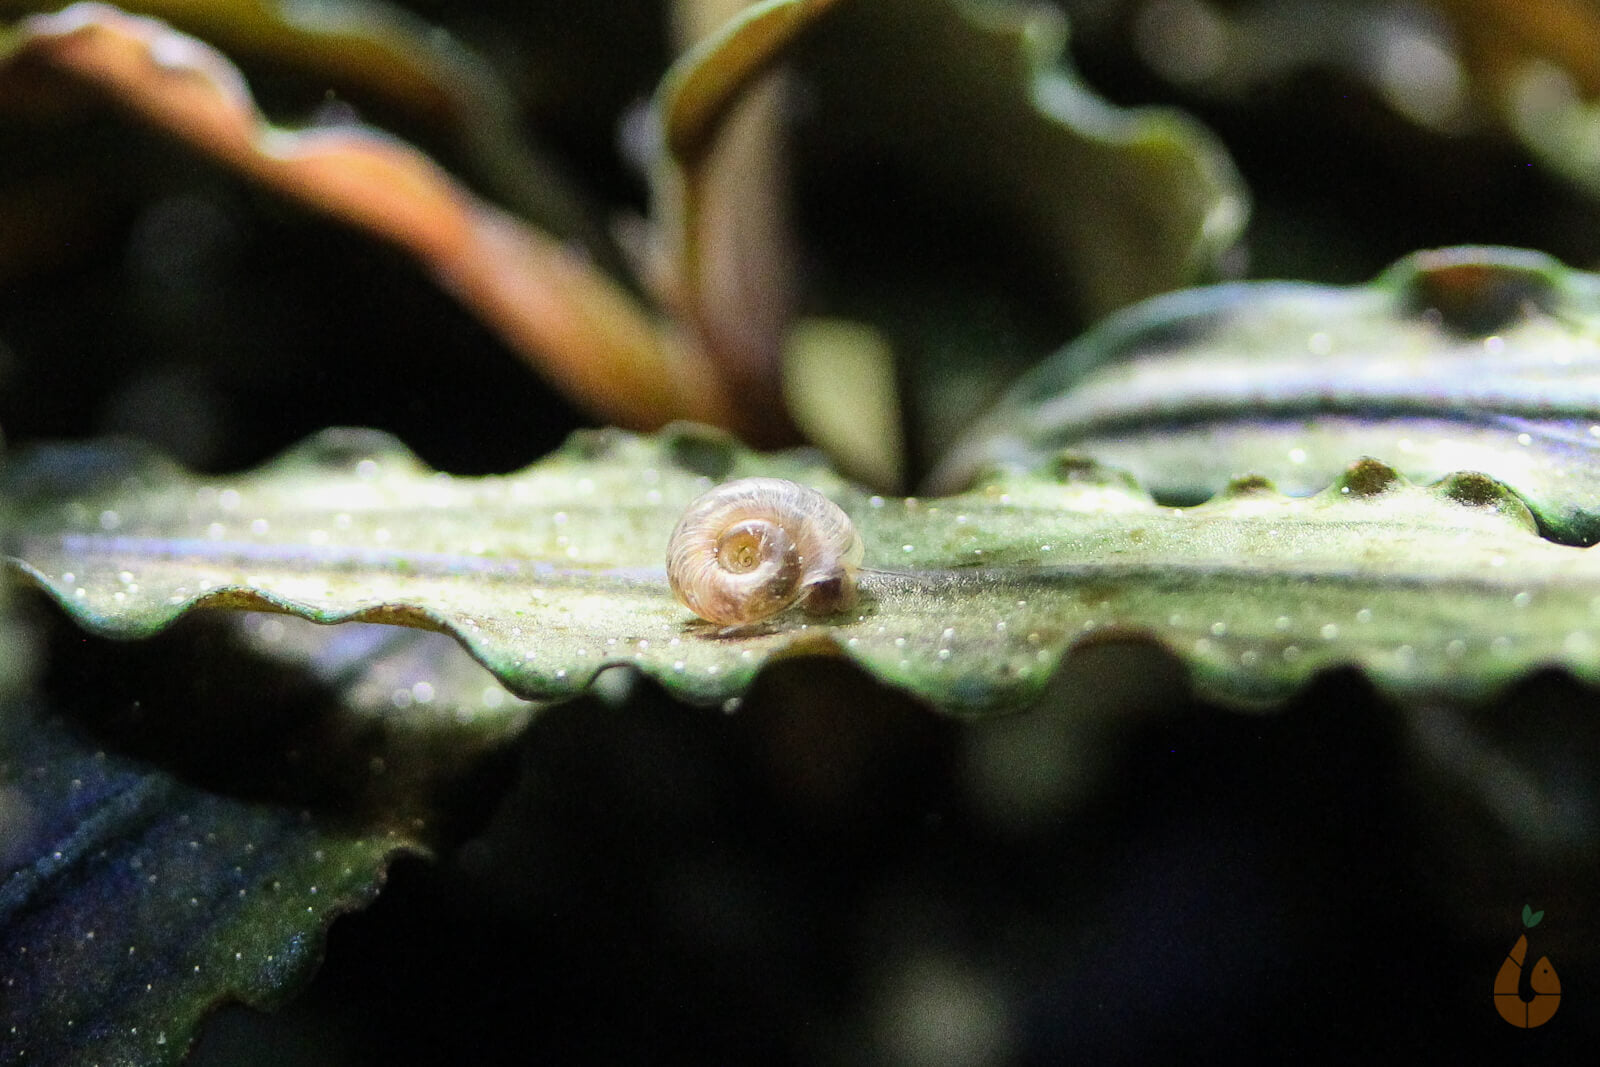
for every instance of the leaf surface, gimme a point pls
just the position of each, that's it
(1478, 359)
(554, 573)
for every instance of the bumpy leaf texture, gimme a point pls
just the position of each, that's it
(554, 573)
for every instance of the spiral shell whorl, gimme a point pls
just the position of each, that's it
(749, 549)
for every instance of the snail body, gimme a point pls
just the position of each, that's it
(749, 549)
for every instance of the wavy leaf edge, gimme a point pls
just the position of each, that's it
(652, 634)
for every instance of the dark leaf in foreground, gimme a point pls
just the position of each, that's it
(131, 902)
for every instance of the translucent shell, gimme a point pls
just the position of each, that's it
(749, 549)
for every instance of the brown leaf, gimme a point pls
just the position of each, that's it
(572, 322)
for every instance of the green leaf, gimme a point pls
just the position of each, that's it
(131, 902)
(963, 191)
(1461, 359)
(974, 99)
(554, 573)
(698, 92)
(1531, 918)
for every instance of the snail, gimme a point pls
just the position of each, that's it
(749, 549)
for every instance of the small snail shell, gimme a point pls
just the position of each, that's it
(748, 549)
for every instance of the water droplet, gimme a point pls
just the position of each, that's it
(110, 520)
